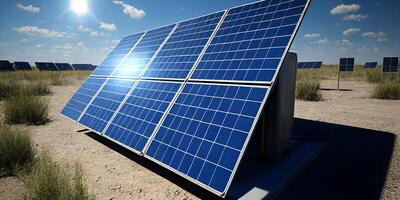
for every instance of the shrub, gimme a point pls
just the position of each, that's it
(374, 76)
(58, 79)
(309, 90)
(35, 88)
(23, 109)
(16, 150)
(7, 88)
(50, 180)
(389, 90)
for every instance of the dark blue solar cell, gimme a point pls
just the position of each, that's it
(64, 66)
(346, 64)
(205, 124)
(139, 57)
(139, 115)
(22, 66)
(5, 65)
(390, 64)
(309, 65)
(115, 57)
(104, 105)
(46, 66)
(259, 31)
(371, 65)
(77, 104)
(179, 54)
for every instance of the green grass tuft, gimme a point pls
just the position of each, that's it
(388, 90)
(50, 180)
(16, 151)
(22, 109)
(308, 90)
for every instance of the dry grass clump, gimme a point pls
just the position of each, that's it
(308, 90)
(23, 109)
(388, 90)
(49, 180)
(7, 88)
(16, 150)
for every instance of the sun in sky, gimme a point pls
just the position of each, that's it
(79, 7)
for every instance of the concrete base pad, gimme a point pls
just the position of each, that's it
(259, 179)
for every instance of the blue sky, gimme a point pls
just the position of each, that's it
(48, 30)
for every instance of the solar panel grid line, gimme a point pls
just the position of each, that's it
(190, 37)
(107, 79)
(300, 15)
(77, 92)
(164, 112)
(132, 89)
(206, 46)
(103, 106)
(157, 51)
(240, 156)
(112, 50)
(134, 46)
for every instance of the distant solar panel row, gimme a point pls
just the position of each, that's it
(309, 65)
(64, 66)
(146, 98)
(22, 66)
(83, 67)
(390, 64)
(5, 65)
(346, 64)
(371, 65)
(46, 66)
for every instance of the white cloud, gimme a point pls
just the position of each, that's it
(92, 32)
(351, 31)
(354, 17)
(376, 49)
(312, 36)
(374, 34)
(108, 27)
(316, 37)
(344, 9)
(131, 10)
(29, 8)
(39, 45)
(379, 36)
(323, 41)
(42, 32)
(343, 42)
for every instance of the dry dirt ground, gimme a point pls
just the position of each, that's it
(113, 176)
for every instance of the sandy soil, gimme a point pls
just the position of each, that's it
(113, 176)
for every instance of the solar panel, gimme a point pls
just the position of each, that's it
(83, 67)
(22, 66)
(5, 65)
(136, 61)
(371, 65)
(105, 103)
(64, 66)
(115, 57)
(46, 66)
(178, 56)
(346, 64)
(309, 65)
(390, 64)
(204, 134)
(82, 97)
(172, 93)
(251, 42)
(138, 117)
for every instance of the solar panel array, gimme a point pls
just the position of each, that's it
(346, 64)
(390, 64)
(22, 66)
(5, 65)
(160, 93)
(309, 65)
(46, 66)
(64, 66)
(83, 67)
(371, 65)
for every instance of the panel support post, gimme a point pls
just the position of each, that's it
(338, 79)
